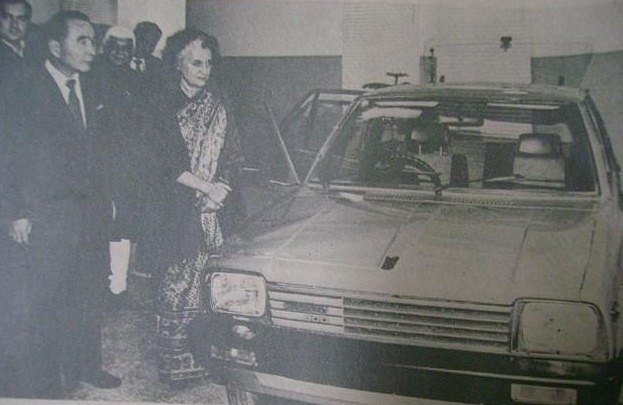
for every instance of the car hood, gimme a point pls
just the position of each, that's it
(427, 249)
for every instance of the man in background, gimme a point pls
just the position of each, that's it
(15, 16)
(113, 65)
(22, 45)
(147, 35)
(120, 88)
(15, 353)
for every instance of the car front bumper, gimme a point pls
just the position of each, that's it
(319, 368)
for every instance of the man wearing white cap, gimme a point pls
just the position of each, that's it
(119, 86)
(118, 45)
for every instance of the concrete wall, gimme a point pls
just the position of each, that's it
(564, 27)
(378, 39)
(254, 83)
(43, 9)
(551, 27)
(550, 38)
(102, 12)
(271, 28)
(274, 52)
(374, 37)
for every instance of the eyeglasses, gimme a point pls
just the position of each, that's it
(22, 19)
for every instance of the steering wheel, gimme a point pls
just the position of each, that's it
(410, 160)
(403, 168)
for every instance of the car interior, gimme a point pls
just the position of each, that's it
(530, 147)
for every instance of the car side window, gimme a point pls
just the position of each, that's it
(602, 133)
(614, 170)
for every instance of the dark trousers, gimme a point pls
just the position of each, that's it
(69, 263)
(16, 352)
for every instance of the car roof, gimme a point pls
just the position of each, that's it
(487, 91)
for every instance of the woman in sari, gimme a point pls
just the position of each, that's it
(193, 160)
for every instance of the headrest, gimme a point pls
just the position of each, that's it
(539, 160)
(422, 134)
(539, 144)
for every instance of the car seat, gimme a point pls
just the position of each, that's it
(539, 161)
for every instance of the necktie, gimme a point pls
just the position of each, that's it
(74, 103)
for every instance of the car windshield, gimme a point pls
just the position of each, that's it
(453, 143)
(307, 128)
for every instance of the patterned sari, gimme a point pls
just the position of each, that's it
(203, 125)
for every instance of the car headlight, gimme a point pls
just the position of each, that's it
(239, 294)
(560, 328)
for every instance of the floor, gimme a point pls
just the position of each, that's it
(129, 352)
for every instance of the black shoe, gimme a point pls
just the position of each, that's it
(117, 302)
(102, 379)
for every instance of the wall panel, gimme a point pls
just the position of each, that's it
(100, 11)
(278, 82)
(550, 70)
(271, 28)
(380, 38)
(43, 9)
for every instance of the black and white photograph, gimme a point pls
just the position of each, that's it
(289, 202)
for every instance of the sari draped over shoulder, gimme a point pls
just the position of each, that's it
(203, 124)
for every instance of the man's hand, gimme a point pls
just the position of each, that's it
(20, 229)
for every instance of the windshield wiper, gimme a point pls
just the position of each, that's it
(423, 168)
(522, 181)
(504, 179)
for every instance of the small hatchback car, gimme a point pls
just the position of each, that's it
(448, 244)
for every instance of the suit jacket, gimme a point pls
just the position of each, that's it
(11, 63)
(12, 66)
(153, 66)
(120, 90)
(60, 180)
(61, 167)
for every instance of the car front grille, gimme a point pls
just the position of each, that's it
(432, 323)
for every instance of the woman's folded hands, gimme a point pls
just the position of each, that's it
(215, 193)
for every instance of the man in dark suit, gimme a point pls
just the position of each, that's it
(15, 18)
(61, 209)
(120, 89)
(16, 53)
(14, 291)
(147, 35)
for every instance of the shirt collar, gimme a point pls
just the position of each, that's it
(138, 64)
(58, 76)
(17, 49)
(61, 82)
